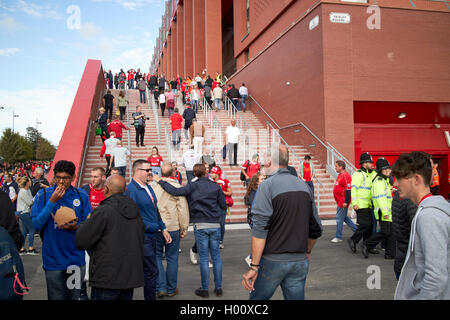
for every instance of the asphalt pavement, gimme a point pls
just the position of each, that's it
(335, 273)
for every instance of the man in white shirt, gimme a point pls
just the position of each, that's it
(189, 159)
(120, 156)
(218, 96)
(110, 144)
(243, 91)
(233, 134)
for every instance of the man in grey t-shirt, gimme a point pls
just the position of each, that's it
(120, 156)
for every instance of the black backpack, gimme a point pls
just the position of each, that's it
(12, 274)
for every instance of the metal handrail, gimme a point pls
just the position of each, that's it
(292, 152)
(86, 142)
(213, 122)
(129, 134)
(332, 153)
(155, 113)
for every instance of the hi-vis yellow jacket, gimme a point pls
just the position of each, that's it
(382, 199)
(362, 188)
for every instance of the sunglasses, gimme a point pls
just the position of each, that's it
(146, 170)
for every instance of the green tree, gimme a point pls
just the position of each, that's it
(45, 150)
(33, 136)
(15, 148)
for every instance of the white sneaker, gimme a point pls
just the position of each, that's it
(210, 264)
(221, 246)
(336, 240)
(248, 260)
(193, 257)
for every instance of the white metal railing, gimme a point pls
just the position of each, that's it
(129, 134)
(332, 154)
(154, 108)
(274, 137)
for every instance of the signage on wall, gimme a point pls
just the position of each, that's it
(314, 23)
(336, 17)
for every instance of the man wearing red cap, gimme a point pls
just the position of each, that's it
(216, 175)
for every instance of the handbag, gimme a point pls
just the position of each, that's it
(229, 201)
(98, 131)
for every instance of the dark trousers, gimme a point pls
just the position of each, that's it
(142, 96)
(111, 294)
(109, 165)
(122, 112)
(150, 267)
(311, 186)
(364, 222)
(109, 110)
(140, 132)
(385, 233)
(163, 107)
(190, 176)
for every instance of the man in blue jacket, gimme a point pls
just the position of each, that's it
(143, 195)
(206, 205)
(63, 263)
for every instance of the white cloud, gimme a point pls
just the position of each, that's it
(50, 106)
(7, 52)
(135, 4)
(33, 9)
(90, 31)
(8, 25)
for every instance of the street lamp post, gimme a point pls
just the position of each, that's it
(14, 116)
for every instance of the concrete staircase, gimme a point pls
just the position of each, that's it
(257, 142)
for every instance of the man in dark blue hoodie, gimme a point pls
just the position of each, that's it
(206, 205)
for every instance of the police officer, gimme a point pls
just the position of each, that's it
(382, 203)
(361, 200)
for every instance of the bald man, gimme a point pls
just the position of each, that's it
(115, 235)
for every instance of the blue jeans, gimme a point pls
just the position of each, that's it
(311, 186)
(111, 294)
(167, 279)
(142, 96)
(243, 100)
(341, 217)
(57, 288)
(27, 228)
(217, 103)
(150, 267)
(122, 171)
(156, 170)
(194, 104)
(208, 243)
(290, 275)
(131, 84)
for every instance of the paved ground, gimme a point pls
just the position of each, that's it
(335, 273)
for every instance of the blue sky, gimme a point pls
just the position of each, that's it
(43, 53)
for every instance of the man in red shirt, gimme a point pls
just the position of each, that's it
(176, 121)
(131, 74)
(117, 127)
(342, 193)
(308, 172)
(250, 168)
(216, 175)
(95, 189)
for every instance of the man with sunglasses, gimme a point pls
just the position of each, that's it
(61, 259)
(143, 195)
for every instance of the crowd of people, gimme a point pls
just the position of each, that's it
(118, 234)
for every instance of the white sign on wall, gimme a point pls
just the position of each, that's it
(336, 17)
(314, 23)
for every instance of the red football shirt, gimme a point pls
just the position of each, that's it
(155, 161)
(343, 183)
(251, 168)
(176, 121)
(96, 197)
(117, 127)
(306, 171)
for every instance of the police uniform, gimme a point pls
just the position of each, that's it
(361, 191)
(382, 203)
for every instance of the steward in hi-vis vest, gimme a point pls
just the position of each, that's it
(361, 200)
(382, 203)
